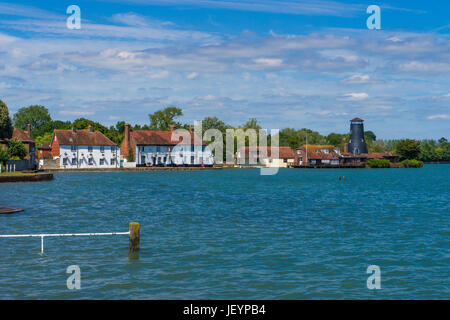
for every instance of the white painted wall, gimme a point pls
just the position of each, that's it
(278, 163)
(177, 155)
(81, 155)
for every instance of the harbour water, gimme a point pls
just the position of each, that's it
(232, 234)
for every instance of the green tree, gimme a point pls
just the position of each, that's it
(37, 116)
(4, 156)
(46, 137)
(6, 128)
(252, 123)
(162, 119)
(370, 136)
(408, 149)
(214, 123)
(16, 149)
(296, 138)
(130, 156)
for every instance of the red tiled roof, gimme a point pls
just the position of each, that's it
(82, 138)
(162, 138)
(283, 152)
(45, 146)
(21, 135)
(316, 152)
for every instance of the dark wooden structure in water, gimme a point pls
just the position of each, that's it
(10, 210)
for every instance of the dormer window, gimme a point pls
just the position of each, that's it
(102, 149)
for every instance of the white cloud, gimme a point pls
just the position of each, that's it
(355, 96)
(160, 75)
(439, 117)
(424, 67)
(358, 78)
(192, 75)
(76, 113)
(268, 62)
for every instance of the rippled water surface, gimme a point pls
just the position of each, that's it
(232, 234)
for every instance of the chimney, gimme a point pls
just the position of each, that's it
(90, 128)
(172, 127)
(127, 132)
(29, 130)
(125, 146)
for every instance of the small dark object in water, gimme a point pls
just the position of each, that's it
(10, 210)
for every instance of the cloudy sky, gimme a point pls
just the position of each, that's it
(296, 64)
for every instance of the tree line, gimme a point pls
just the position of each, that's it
(42, 127)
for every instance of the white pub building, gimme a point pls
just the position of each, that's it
(78, 149)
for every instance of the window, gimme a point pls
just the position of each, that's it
(113, 149)
(142, 148)
(74, 161)
(90, 149)
(65, 161)
(102, 149)
(113, 162)
(158, 149)
(192, 148)
(73, 148)
(91, 161)
(102, 162)
(299, 151)
(285, 160)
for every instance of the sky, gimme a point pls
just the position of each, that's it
(297, 64)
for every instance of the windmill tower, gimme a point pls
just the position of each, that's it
(357, 143)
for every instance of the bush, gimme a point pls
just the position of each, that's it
(408, 149)
(4, 156)
(379, 163)
(412, 163)
(130, 157)
(16, 149)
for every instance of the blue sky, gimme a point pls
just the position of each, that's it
(291, 64)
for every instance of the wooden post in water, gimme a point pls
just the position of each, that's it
(135, 229)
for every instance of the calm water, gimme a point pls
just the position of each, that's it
(230, 234)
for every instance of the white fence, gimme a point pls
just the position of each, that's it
(43, 235)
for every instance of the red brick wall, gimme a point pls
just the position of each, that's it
(55, 147)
